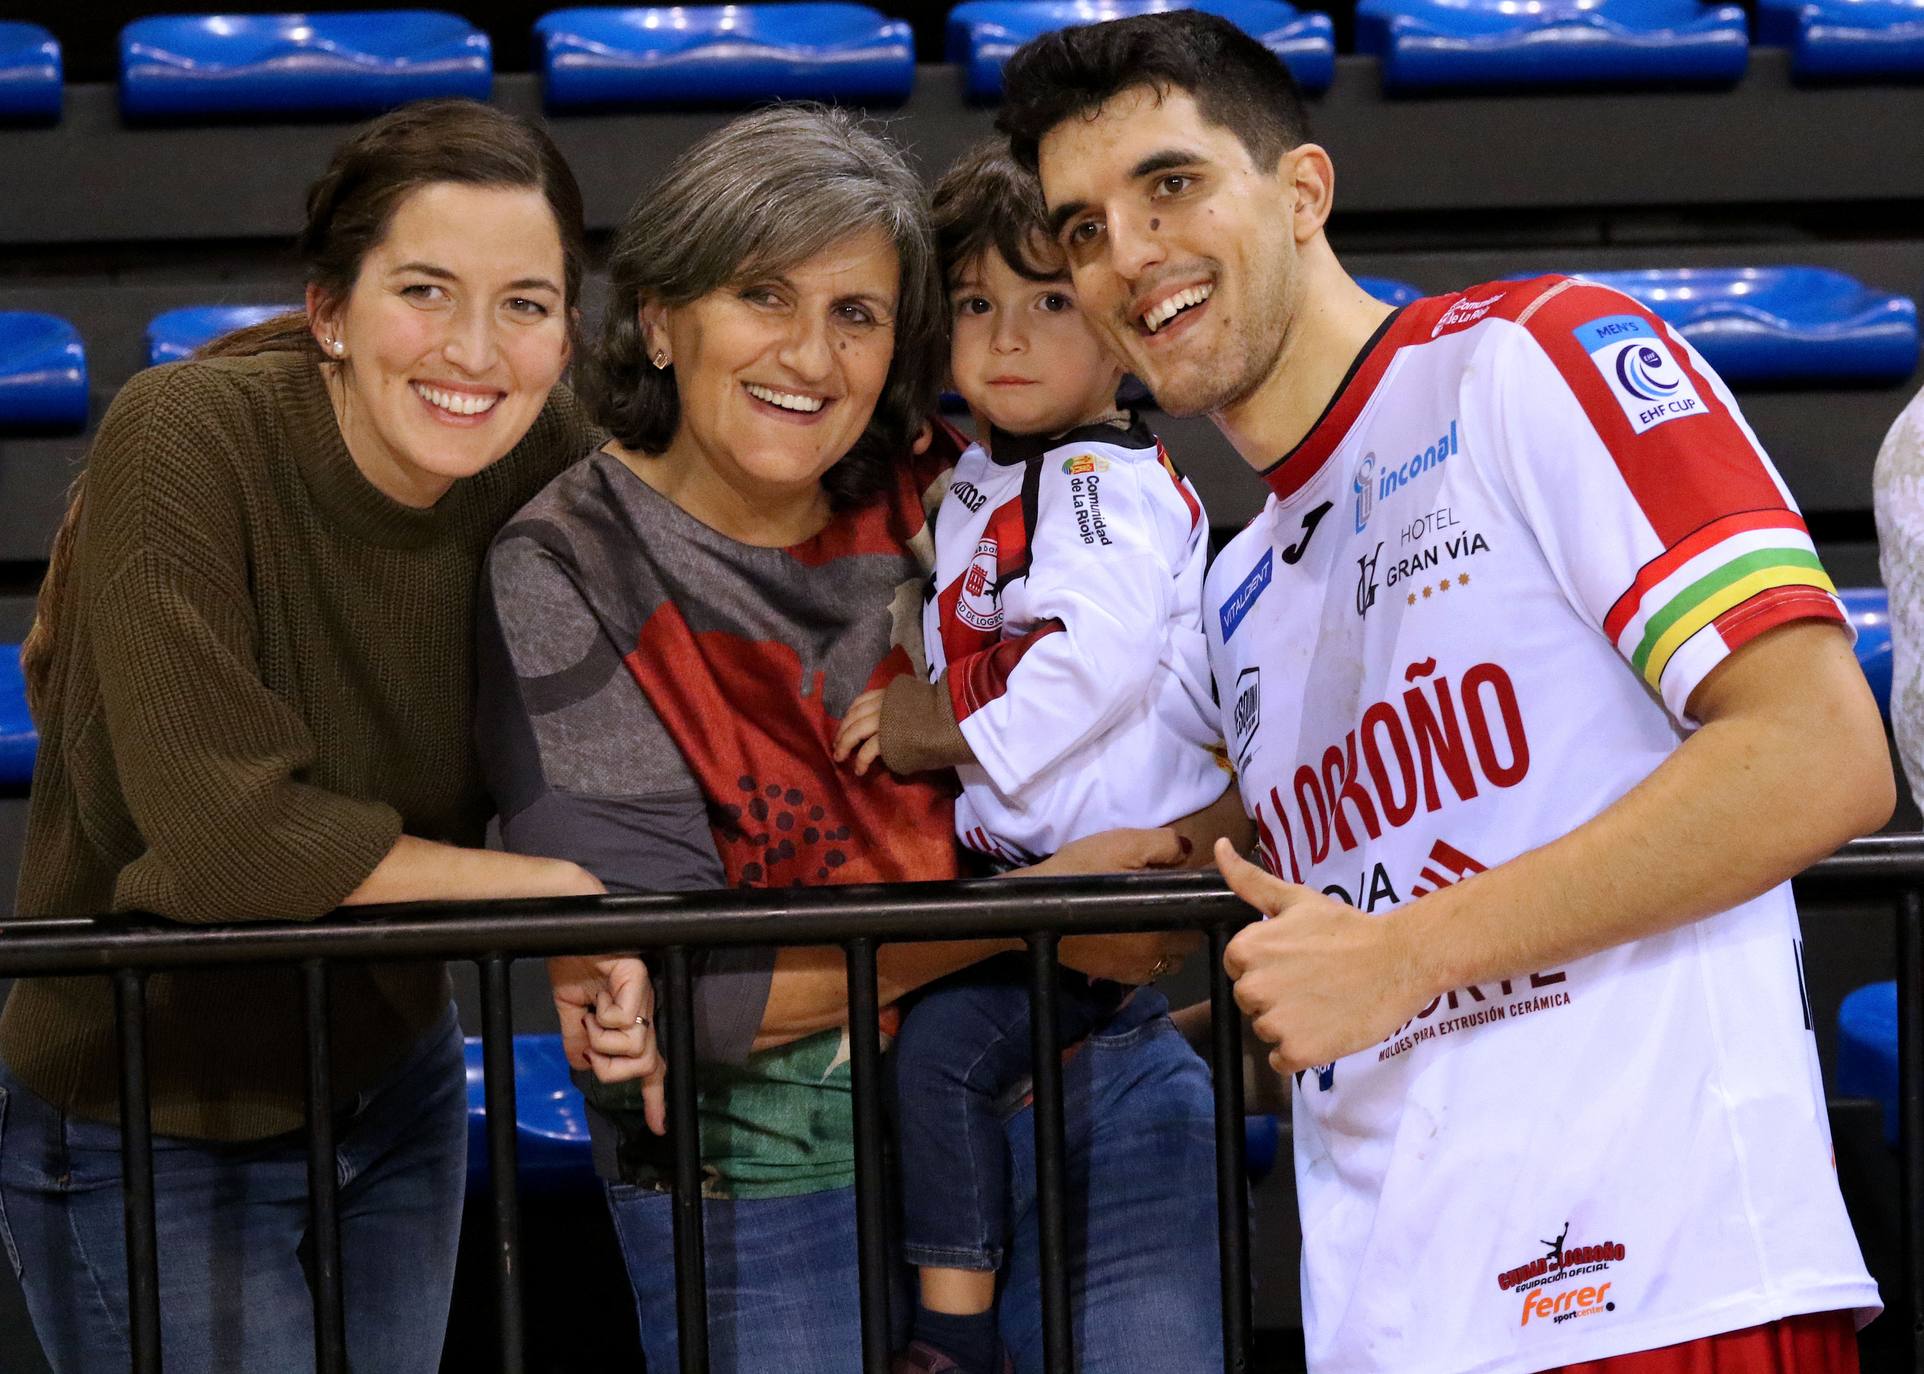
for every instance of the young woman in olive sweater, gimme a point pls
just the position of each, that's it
(252, 675)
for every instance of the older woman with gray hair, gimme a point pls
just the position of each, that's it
(671, 633)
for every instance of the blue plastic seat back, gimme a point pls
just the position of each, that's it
(18, 739)
(551, 1119)
(1782, 325)
(1869, 612)
(186, 66)
(43, 373)
(1389, 291)
(1846, 40)
(29, 73)
(1427, 44)
(709, 55)
(983, 34)
(174, 334)
(1867, 1049)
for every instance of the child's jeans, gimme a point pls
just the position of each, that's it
(961, 1064)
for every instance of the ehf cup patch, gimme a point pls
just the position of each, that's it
(1640, 370)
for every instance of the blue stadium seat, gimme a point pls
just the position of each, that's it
(1782, 324)
(1867, 1049)
(1843, 40)
(1869, 610)
(29, 73)
(18, 738)
(187, 66)
(705, 55)
(1390, 292)
(43, 373)
(174, 334)
(983, 34)
(551, 1122)
(1425, 44)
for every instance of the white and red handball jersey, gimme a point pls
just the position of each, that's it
(1066, 611)
(1469, 618)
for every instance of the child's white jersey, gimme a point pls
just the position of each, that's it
(1066, 611)
(1469, 618)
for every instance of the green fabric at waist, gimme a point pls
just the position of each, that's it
(780, 1124)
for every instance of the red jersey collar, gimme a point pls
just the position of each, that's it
(1290, 473)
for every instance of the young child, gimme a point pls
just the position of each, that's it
(1069, 689)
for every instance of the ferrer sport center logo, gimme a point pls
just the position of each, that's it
(1566, 1282)
(1638, 368)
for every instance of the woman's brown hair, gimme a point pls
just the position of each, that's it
(348, 213)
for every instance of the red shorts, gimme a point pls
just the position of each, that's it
(1819, 1343)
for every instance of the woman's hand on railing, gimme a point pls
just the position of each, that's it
(606, 1006)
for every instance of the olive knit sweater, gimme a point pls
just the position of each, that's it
(264, 675)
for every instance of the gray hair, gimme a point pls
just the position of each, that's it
(764, 194)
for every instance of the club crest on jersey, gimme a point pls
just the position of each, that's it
(1084, 463)
(977, 607)
(1640, 370)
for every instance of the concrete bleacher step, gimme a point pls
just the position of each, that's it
(213, 66)
(1846, 40)
(1439, 44)
(30, 72)
(43, 373)
(722, 55)
(982, 35)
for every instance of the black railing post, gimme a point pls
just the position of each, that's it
(137, 1172)
(871, 1226)
(1232, 1201)
(497, 1067)
(323, 1196)
(1910, 1101)
(684, 1128)
(1058, 1342)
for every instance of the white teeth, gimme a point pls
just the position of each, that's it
(455, 402)
(787, 400)
(1158, 315)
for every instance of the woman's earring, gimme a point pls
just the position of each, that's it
(660, 359)
(337, 347)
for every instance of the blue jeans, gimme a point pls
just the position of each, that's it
(232, 1222)
(963, 1049)
(1141, 1211)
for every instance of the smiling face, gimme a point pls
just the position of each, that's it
(1182, 250)
(451, 338)
(777, 375)
(1021, 353)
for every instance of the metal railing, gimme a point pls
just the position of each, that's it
(667, 927)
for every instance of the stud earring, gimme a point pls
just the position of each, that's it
(660, 359)
(338, 347)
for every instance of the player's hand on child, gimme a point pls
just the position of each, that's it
(1318, 979)
(606, 1006)
(861, 732)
